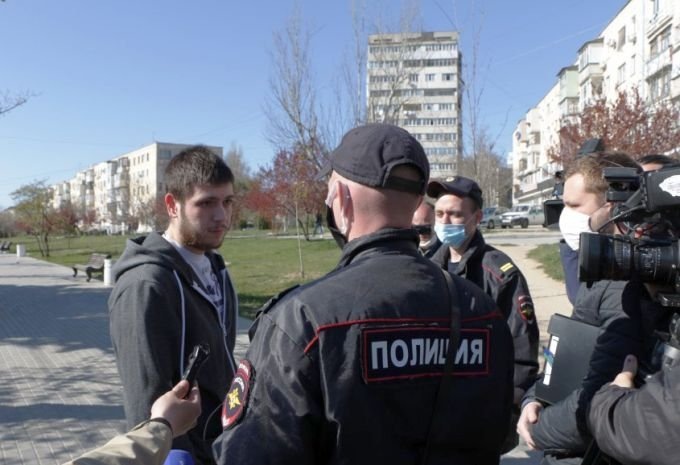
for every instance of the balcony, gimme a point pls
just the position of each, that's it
(659, 62)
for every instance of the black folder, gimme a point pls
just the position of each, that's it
(567, 357)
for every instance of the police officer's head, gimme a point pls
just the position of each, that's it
(378, 176)
(458, 210)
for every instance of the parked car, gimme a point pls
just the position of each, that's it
(492, 217)
(522, 215)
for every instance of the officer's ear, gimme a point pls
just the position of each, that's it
(478, 216)
(345, 199)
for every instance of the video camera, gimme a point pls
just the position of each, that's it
(648, 211)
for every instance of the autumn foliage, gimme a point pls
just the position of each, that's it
(628, 125)
(288, 187)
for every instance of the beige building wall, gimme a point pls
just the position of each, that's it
(414, 81)
(117, 189)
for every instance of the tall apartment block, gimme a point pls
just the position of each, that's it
(414, 80)
(117, 189)
(639, 48)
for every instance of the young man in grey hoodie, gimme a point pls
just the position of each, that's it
(173, 292)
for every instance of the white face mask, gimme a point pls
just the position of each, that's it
(572, 224)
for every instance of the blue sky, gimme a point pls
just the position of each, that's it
(109, 77)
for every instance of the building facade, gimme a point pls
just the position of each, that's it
(123, 192)
(639, 48)
(414, 80)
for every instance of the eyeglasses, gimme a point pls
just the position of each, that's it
(422, 229)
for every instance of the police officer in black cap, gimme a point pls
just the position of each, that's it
(356, 367)
(458, 211)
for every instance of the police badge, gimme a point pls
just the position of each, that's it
(236, 400)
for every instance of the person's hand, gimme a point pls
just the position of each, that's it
(600, 217)
(625, 378)
(181, 413)
(529, 417)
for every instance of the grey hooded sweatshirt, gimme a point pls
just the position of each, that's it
(158, 312)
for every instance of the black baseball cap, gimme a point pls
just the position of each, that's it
(456, 185)
(368, 154)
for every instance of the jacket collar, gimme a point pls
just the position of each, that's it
(389, 239)
(475, 247)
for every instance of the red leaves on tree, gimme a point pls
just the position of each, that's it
(628, 125)
(289, 183)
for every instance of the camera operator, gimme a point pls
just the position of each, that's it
(639, 426)
(560, 429)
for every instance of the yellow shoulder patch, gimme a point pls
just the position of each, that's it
(506, 267)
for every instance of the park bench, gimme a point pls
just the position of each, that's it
(94, 265)
(4, 247)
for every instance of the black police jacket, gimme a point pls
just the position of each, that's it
(346, 368)
(628, 318)
(499, 277)
(640, 426)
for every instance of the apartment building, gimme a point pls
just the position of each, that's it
(116, 190)
(639, 48)
(414, 80)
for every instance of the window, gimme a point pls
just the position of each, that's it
(447, 77)
(632, 65)
(413, 77)
(622, 38)
(660, 84)
(429, 77)
(621, 74)
(445, 106)
(660, 43)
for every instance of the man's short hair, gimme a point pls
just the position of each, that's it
(195, 166)
(591, 168)
(658, 159)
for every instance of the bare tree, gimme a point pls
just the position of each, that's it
(236, 162)
(243, 180)
(34, 213)
(478, 143)
(292, 104)
(9, 101)
(488, 168)
(395, 63)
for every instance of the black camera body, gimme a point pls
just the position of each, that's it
(648, 209)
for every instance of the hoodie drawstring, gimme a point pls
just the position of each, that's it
(184, 323)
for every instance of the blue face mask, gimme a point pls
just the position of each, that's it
(452, 235)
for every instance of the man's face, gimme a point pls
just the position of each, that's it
(577, 198)
(424, 216)
(451, 209)
(592, 204)
(205, 217)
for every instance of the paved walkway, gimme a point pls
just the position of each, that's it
(59, 389)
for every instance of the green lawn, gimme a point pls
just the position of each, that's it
(260, 264)
(548, 255)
